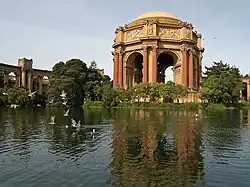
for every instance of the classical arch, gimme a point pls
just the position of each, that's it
(165, 60)
(244, 91)
(134, 69)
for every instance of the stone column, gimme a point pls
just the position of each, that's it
(23, 78)
(145, 64)
(40, 85)
(18, 78)
(30, 82)
(6, 78)
(116, 68)
(248, 91)
(184, 66)
(120, 74)
(199, 70)
(191, 69)
(154, 64)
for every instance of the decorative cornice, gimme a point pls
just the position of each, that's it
(183, 48)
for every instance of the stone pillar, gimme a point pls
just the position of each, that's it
(184, 66)
(120, 74)
(199, 70)
(6, 78)
(23, 78)
(191, 69)
(154, 64)
(116, 68)
(18, 78)
(145, 64)
(30, 82)
(40, 85)
(248, 91)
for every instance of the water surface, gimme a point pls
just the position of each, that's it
(130, 148)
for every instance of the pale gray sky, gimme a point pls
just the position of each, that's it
(49, 31)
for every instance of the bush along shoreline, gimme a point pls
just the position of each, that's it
(168, 106)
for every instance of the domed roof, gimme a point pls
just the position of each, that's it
(156, 15)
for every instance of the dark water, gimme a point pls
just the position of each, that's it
(130, 148)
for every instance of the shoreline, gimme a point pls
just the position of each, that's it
(160, 105)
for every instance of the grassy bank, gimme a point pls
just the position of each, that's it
(161, 105)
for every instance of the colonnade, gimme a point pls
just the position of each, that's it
(25, 79)
(191, 67)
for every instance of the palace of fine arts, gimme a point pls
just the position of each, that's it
(106, 96)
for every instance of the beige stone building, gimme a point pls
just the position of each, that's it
(153, 42)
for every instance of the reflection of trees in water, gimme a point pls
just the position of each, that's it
(67, 142)
(20, 126)
(144, 156)
(98, 115)
(223, 130)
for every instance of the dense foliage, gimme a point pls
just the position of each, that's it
(18, 96)
(143, 92)
(78, 82)
(222, 84)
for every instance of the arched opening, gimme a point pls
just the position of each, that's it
(134, 67)
(45, 85)
(244, 91)
(165, 67)
(45, 80)
(11, 79)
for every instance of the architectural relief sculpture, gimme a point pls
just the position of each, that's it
(188, 34)
(134, 34)
(169, 33)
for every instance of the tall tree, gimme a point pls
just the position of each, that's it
(70, 77)
(222, 84)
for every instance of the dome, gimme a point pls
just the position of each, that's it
(156, 15)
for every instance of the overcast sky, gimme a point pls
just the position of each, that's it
(49, 31)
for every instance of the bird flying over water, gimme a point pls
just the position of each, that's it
(52, 122)
(74, 124)
(63, 94)
(66, 113)
(32, 94)
(13, 106)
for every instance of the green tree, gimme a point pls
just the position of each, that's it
(70, 77)
(179, 91)
(222, 84)
(18, 96)
(111, 96)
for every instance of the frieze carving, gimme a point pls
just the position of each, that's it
(188, 34)
(169, 33)
(133, 34)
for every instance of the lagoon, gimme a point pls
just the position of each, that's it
(129, 148)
